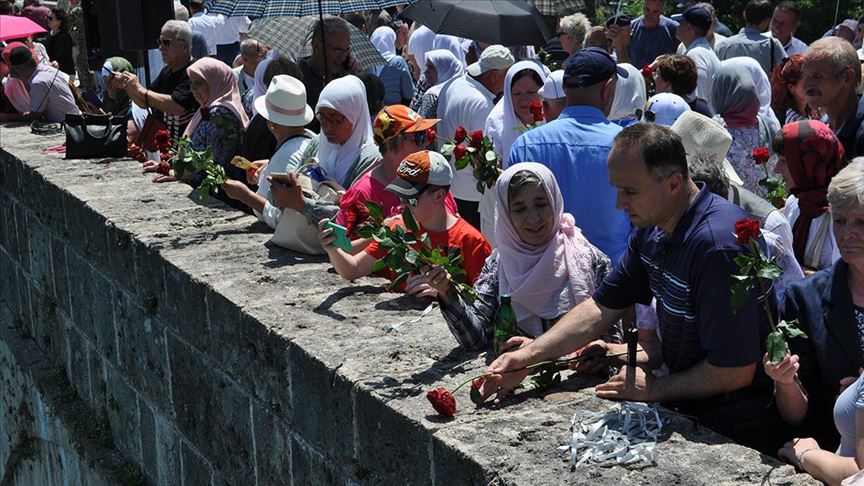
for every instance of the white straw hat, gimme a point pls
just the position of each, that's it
(285, 102)
(702, 136)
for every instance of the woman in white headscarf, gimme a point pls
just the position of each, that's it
(452, 44)
(395, 74)
(630, 96)
(545, 272)
(763, 88)
(344, 148)
(441, 66)
(512, 115)
(419, 44)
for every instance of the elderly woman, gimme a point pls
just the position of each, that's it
(512, 115)
(808, 156)
(736, 103)
(441, 66)
(829, 306)
(542, 261)
(219, 123)
(763, 88)
(115, 100)
(630, 97)
(788, 97)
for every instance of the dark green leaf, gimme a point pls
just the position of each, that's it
(776, 346)
(411, 257)
(365, 231)
(462, 163)
(475, 396)
(400, 280)
(769, 272)
(740, 295)
(378, 266)
(409, 221)
(791, 329)
(375, 211)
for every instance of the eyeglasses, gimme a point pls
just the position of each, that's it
(335, 119)
(167, 42)
(559, 34)
(421, 138)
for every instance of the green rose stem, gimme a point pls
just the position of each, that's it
(767, 307)
(560, 364)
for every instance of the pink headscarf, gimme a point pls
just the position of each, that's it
(223, 90)
(548, 280)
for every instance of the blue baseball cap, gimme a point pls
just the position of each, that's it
(590, 66)
(699, 17)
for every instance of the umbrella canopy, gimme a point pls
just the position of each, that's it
(292, 37)
(507, 22)
(14, 27)
(553, 8)
(294, 8)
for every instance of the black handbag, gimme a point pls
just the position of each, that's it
(95, 136)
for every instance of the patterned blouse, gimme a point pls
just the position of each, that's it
(859, 318)
(221, 132)
(419, 90)
(473, 326)
(744, 140)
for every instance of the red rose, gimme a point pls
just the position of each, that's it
(746, 230)
(162, 139)
(460, 135)
(431, 136)
(442, 401)
(477, 139)
(136, 153)
(761, 155)
(647, 71)
(537, 111)
(163, 168)
(355, 214)
(459, 151)
(164, 156)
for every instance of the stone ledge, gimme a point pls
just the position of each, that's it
(246, 363)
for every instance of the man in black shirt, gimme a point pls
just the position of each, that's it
(169, 97)
(317, 71)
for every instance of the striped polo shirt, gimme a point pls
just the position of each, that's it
(689, 273)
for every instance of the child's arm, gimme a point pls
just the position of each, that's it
(348, 266)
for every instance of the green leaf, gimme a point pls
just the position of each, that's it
(462, 163)
(400, 280)
(375, 211)
(411, 257)
(426, 241)
(447, 149)
(409, 220)
(387, 243)
(791, 329)
(769, 272)
(378, 266)
(740, 295)
(476, 398)
(776, 346)
(365, 231)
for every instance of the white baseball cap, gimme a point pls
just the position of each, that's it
(553, 86)
(493, 57)
(285, 102)
(664, 109)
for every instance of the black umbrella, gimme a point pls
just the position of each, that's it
(506, 22)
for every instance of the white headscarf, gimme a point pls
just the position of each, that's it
(503, 126)
(447, 66)
(452, 44)
(548, 280)
(347, 95)
(259, 88)
(763, 88)
(630, 94)
(419, 44)
(384, 39)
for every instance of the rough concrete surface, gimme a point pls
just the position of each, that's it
(218, 358)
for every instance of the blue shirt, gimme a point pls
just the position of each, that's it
(575, 148)
(646, 44)
(688, 273)
(396, 78)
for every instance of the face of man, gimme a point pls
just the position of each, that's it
(639, 194)
(251, 58)
(651, 11)
(175, 52)
(783, 25)
(685, 32)
(824, 84)
(566, 40)
(338, 50)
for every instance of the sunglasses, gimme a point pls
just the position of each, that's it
(646, 115)
(167, 42)
(420, 138)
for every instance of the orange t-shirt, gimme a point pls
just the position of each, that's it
(462, 237)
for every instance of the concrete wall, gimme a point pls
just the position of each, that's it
(212, 358)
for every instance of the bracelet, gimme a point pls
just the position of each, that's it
(801, 457)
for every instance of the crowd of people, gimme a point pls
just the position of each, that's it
(616, 208)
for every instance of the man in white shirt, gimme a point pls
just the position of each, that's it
(228, 36)
(694, 25)
(206, 25)
(784, 23)
(466, 101)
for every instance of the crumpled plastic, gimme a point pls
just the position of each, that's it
(625, 435)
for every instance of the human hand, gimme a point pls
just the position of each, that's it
(505, 373)
(235, 189)
(629, 384)
(326, 236)
(595, 360)
(352, 66)
(253, 174)
(619, 36)
(287, 196)
(416, 285)
(783, 373)
(792, 451)
(436, 277)
(169, 177)
(845, 382)
(150, 166)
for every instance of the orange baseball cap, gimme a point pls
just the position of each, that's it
(420, 170)
(395, 119)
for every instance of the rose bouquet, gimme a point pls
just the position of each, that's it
(474, 150)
